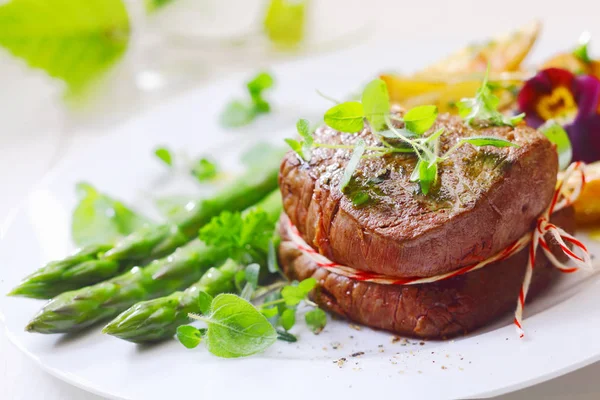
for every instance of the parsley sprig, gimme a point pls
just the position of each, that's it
(235, 327)
(373, 114)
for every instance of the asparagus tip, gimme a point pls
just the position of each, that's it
(27, 290)
(18, 291)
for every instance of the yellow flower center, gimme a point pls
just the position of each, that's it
(559, 105)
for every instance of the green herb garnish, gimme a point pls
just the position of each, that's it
(556, 134)
(357, 154)
(288, 319)
(100, 219)
(235, 328)
(346, 117)
(239, 113)
(302, 148)
(164, 155)
(316, 320)
(483, 108)
(376, 103)
(374, 109)
(189, 336)
(581, 51)
(418, 120)
(204, 169)
(242, 236)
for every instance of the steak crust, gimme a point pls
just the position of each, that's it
(436, 310)
(485, 199)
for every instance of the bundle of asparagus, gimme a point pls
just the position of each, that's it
(156, 278)
(74, 310)
(97, 263)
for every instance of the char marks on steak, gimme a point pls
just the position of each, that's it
(485, 199)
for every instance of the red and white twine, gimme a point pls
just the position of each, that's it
(567, 191)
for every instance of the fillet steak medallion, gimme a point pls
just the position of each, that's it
(485, 199)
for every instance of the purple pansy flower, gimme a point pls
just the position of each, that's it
(571, 100)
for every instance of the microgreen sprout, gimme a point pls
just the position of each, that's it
(372, 115)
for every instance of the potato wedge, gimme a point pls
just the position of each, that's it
(503, 53)
(587, 206)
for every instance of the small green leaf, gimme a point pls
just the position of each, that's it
(259, 83)
(303, 128)
(293, 295)
(284, 22)
(247, 292)
(236, 328)
(359, 198)
(286, 336)
(581, 51)
(358, 152)
(239, 279)
(189, 336)
(556, 134)
(426, 174)
(376, 103)
(488, 141)
(165, 155)
(296, 146)
(237, 114)
(434, 136)
(269, 312)
(204, 302)
(100, 219)
(204, 170)
(154, 5)
(251, 274)
(272, 264)
(288, 318)
(307, 285)
(316, 320)
(483, 108)
(419, 119)
(75, 41)
(346, 117)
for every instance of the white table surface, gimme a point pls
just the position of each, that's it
(37, 131)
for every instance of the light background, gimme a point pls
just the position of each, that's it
(37, 130)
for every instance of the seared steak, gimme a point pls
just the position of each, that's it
(484, 200)
(436, 310)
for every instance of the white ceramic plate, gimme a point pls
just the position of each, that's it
(561, 327)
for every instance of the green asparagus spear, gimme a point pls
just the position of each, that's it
(158, 319)
(78, 309)
(98, 263)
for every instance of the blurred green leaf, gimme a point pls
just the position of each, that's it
(153, 5)
(75, 41)
(204, 169)
(99, 219)
(285, 22)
